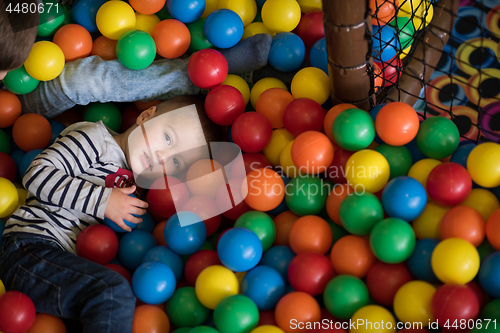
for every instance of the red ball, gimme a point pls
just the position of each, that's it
(391, 70)
(252, 161)
(32, 131)
(7, 167)
(252, 132)
(17, 312)
(454, 303)
(120, 270)
(162, 200)
(129, 117)
(224, 104)
(207, 210)
(311, 28)
(230, 201)
(207, 68)
(97, 243)
(337, 170)
(266, 318)
(197, 262)
(449, 184)
(303, 114)
(310, 272)
(384, 280)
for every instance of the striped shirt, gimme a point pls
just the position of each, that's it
(70, 183)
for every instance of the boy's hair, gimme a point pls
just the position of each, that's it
(17, 34)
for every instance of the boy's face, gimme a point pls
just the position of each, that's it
(166, 144)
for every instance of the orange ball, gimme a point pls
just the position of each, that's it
(45, 323)
(283, 223)
(334, 200)
(147, 6)
(310, 233)
(330, 117)
(378, 77)
(312, 152)
(352, 255)
(150, 318)
(397, 123)
(383, 11)
(463, 222)
(141, 106)
(272, 103)
(10, 108)
(105, 48)
(493, 229)
(172, 38)
(205, 177)
(74, 40)
(32, 131)
(263, 189)
(296, 307)
(158, 233)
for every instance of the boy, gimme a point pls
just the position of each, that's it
(82, 178)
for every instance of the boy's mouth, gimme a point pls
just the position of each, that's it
(146, 161)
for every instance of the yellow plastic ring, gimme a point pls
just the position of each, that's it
(436, 85)
(465, 50)
(462, 110)
(475, 81)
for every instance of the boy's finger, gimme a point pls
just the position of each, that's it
(133, 219)
(122, 225)
(139, 203)
(138, 211)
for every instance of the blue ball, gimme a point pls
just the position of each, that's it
(185, 239)
(263, 285)
(115, 227)
(186, 11)
(419, 262)
(133, 247)
(404, 198)
(84, 12)
(57, 128)
(282, 207)
(460, 155)
(27, 159)
(318, 56)
(416, 153)
(287, 52)
(17, 155)
(153, 283)
(385, 43)
(147, 224)
(164, 255)
(373, 113)
(278, 257)
(239, 249)
(489, 274)
(223, 28)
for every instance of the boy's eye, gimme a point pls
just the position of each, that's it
(176, 162)
(168, 139)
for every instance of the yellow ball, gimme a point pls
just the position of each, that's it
(483, 164)
(45, 61)
(410, 6)
(373, 319)
(256, 28)
(23, 194)
(483, 201)
(309, 5)
(428, 223)
(2, 288)
(280, 138)
(211, 6)
(367, 170)
(8, 197)
(313, 83)
(405, 52)
(420, 170)
(418, 11)
(455, 260)
(214, 284)
(239, 83)
(115, 18)
(267, 329)
(246, 9)
(281, 15)
(146, 23)
(262, 85)
(413, 302)
(286, 162)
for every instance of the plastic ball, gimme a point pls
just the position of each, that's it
(207, 68)
(74, 40)
(492, 228)
(296, 306)
(172, 39)
(17, 312)
(163, 200)
(47, 323)
(353, 129)
(306, 195)
(427, 224)
(153, 282)
(310, 233)
(224, 104)
(303, 114)
(108, 113)
(383, 11)
(262, 85)
(483, 164)
(398, 157)
(147, 7)
(8, 197)
(385, 43)
(438, 137)
(412, 302)
(391, 71)
(384, 280)
(114, 18)
(252, 132)
(150, 318)
(311, 28)
(185, 310)
(136, 49)
(344, 295)
(197, 262)
(455, 260)
(223, 28)
(236, 314)
(421, 16)
(27, 159)
(19, 82)
(360, 212)
(331, 115)
(97, 243)
(311, 82)
(239, 83)
(404, 198)
(352, 255)
(50, 19)
(84, 12)
(397, 123)
(482, 200)
(309, 5)
(392, 240)
(10, 108)
(449, 184)
(57, 128)
(281, 15)
(239, 249)
(32, 131)
(133, 246)
(312, 152)
(105, 48)
(453, 303)
(421, 170)
(318, 56)
(287, 52)
(185, 233)
(267, 329)
(261, 224)
(419, 262)
(278, 257)
(166, 256)
(146, 23)
(256, 28)
(198, 39)
(367, 169)
(310, 272)
(246, 9)
(488, 274)
(45, 61)
(375, 315)
(272, 103)
(406, 30)
(263, 189)
(463, 222)
(264, 286)
(214, 284)
(7, 167)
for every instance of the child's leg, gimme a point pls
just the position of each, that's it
(68, 286)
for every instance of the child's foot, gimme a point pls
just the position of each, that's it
(248, 55)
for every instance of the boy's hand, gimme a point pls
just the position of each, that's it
(121, 207)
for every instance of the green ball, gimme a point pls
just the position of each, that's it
(182, 330)
(305, 195)
(5, 145)
(51, 19)
(405, 30)
(107, 112)
(236, 314)
(344, 295)
(438, 137)
(353, 129)
(184, 308)
(398, 157)
(203, 329)
(67, 15)
(261, 224)
(163, 14)
(337, 231)
(198, 39)
(485, 249)
(360, 212)
(136, 49)
(392, 240)
(20, 82)
(490, 311)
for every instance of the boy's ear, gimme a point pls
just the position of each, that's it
(146, 115)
